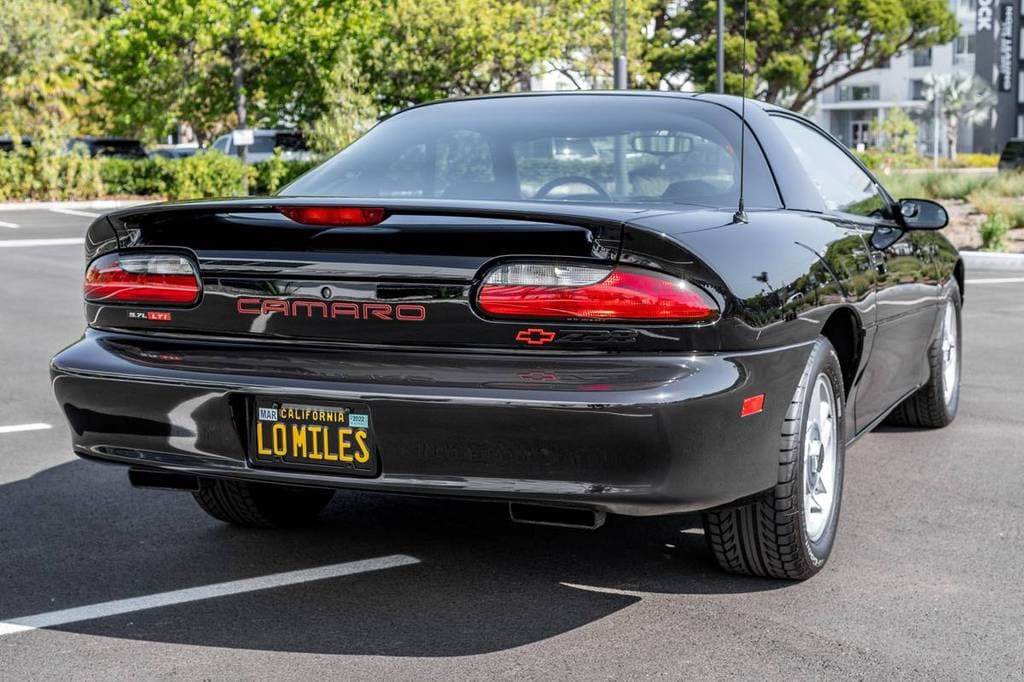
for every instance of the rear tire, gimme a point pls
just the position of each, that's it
(934, 405)
(788, 531)
(261, 505)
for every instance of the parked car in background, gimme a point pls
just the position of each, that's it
(176, 151)
(291, 143)
(1012, 157)
(116, 147)
(7, 142)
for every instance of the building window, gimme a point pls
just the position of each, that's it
(856, 93)
(917, 89)
(923, 57)
(963, 49)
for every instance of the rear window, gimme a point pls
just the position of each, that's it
(580, 148)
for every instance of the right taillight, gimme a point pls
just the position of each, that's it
(143, 278)
(586, 292)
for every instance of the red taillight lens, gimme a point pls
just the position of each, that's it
(159, 279)
(333, 215)
(542, 290)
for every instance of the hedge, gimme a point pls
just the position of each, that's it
(876, 160)
(27, 174)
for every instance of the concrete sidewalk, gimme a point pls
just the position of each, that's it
(983, 260)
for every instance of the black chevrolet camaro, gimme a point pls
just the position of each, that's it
(558, 301)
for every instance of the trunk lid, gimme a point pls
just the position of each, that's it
(407, 281)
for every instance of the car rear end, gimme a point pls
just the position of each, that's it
(544, 352)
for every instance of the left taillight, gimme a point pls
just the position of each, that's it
(144, 278)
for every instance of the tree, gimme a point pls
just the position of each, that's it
(349, 108)
(584, 54)
(47, 89)
(420, 50)
(795, 48)
(896, 133)
(962, 98)
(217, 64)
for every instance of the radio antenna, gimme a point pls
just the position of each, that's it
(741, 214)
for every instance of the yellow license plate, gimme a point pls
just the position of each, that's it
(337, 437)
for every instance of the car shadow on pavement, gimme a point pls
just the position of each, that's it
(77, 534)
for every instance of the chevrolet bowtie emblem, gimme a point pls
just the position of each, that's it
(535, 337)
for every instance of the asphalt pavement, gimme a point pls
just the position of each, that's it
(925, 580)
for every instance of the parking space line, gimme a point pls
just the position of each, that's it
(996, 280)
(75, 211)
(24, 243)
(191, 594)
(13, 226)
(15, 428)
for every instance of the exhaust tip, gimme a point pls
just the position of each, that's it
(167, 480)
(553, 515)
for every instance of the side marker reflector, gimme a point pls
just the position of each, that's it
(752, 405)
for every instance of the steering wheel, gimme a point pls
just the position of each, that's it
(544, 191)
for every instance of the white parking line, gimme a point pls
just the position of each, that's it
(996, 280)
(75, 211)
(24, 243)
(153, 601)
(13, 226)
(15, 428)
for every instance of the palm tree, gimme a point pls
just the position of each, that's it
(957, 98)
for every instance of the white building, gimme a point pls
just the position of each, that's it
(847, 110)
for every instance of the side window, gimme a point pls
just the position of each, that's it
(841, 182)
(221, 144)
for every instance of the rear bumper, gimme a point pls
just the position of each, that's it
(634, 435)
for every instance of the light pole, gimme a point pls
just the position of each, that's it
(619, 63)
(619, 45)
(720, 50)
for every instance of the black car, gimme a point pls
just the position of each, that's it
(8, 143)
(1012, 156)
(116, 147)
(440, 310)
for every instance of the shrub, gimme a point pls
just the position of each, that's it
(266, 177)
(142, 177)
(938, 185)
(210, 174)
(993, 232)
(1007, 184)
(990, 204)
(16, 175)
(40, 173)
(973, 161)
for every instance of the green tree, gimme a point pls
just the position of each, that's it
(795, 48)
(217, 64)
(47, 89)
(420, 50)
(583, 52)
(896, 133)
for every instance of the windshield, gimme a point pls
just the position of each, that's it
(580, 148)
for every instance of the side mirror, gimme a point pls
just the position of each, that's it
(922, 214)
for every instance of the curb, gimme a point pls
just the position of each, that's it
(103, 204)
(978, 260)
